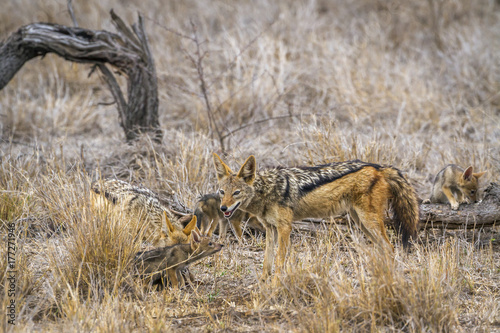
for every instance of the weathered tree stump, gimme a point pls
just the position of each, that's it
(128, 51)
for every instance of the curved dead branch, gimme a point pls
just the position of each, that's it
(127, 50)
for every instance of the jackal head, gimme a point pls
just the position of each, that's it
(176, 235)
(203, 245)
(235, 190)
(468, 183)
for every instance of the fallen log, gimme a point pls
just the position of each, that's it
(485, 213)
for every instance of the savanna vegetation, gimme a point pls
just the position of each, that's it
(414, 84)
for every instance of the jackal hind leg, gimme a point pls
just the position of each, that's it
(172, 276)
(372, 224)
(180, 279)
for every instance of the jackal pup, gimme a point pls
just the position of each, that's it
(143, 206)
(209, 215)
(454, 185)
(281, 195)
(174, 259)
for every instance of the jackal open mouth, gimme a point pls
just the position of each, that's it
(228, 213)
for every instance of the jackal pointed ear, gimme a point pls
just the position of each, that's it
(479, 174)
(195, 236)
(221, 168)
(170, 227)
(190, 226)
(467, 174)
(248, 170)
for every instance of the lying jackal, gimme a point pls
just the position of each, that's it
(174, 259)
(144, 206)
(209, 215)
(454, 185)
(281, 195)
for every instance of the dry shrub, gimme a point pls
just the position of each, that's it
(364, 289)
(89, 258)
(97, 257)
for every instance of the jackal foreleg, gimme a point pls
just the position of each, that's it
(284, 230)
(451, 198)
(172, 276)
(269, 252)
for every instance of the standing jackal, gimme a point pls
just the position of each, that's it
(143, 206)
(209, 215)
(281, 195)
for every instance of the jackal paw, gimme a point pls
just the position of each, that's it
(454, 206)
(426, 201)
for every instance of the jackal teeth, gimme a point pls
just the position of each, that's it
(229, 213)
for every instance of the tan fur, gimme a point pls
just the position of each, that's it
(209, 215)
(455, 185)
(174, 259)
(142, 205)
(279, 196)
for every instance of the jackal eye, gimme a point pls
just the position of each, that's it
(472, 191)
(237, 192)
(210, 244)
(221, 192)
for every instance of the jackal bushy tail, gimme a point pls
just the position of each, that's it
(404, 204)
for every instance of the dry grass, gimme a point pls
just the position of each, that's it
(383, 81)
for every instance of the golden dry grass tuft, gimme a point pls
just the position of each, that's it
(412, 84)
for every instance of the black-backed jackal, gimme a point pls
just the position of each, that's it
(282, 195)
(143, 205)
(454, 185)
(174, 259)
(209, 216)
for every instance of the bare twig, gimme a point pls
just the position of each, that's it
(243, 50)
(175, 32)
(260, 121)
(198, 64)
(72, 13)
(196, 59)
(436, 9)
